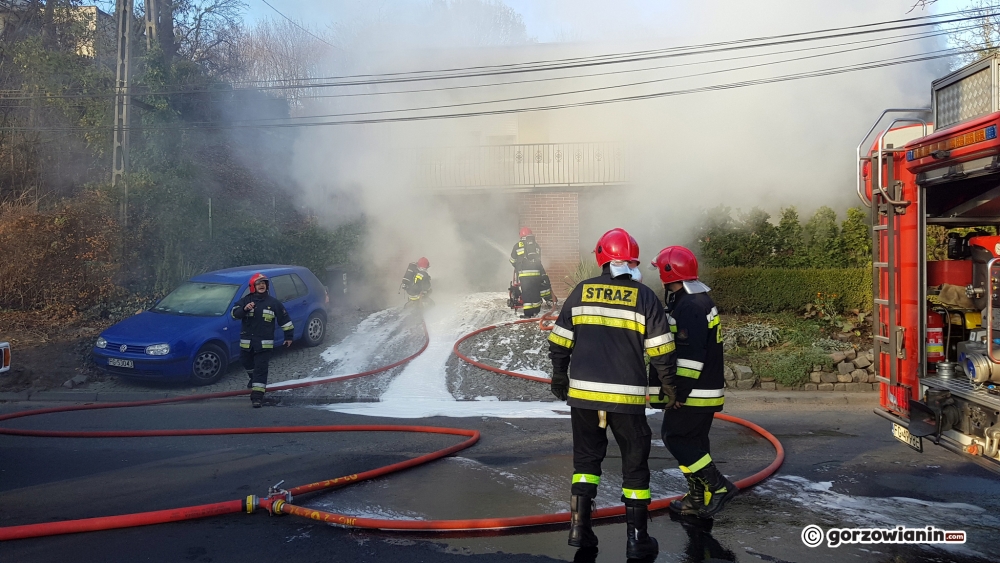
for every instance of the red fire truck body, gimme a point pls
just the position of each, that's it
(936, 322)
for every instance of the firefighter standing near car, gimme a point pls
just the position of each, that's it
(700, 383)
(597, 348)
(417, 282)
(526, 257)
(261, 314)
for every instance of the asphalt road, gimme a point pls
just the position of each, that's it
(843, 469)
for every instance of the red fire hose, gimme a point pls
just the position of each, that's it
(279, 501)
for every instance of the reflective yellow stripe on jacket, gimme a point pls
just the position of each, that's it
(606, 316)
(607, 392)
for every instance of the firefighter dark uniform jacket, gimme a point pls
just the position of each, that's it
(526, 257)
(257, 332)
(605, 326)
(421, 285)
(523, 249)
(694, 320)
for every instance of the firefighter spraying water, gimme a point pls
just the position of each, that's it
(531, 284)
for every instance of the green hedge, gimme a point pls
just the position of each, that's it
(771, 290)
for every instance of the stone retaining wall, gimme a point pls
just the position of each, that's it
(852, 371)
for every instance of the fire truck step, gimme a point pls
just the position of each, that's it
(880, 227)
(882, 302)
(881, 338)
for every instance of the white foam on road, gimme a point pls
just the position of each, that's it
(421, 390)
(884, 512)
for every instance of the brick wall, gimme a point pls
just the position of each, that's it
(554, 218)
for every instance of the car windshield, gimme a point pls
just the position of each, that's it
(197, 298)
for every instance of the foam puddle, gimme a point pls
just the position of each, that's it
(421, 390)
(883, 512)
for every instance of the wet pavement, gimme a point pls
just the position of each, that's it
(843, 468)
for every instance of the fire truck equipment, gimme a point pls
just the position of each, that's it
(935, 337)
(952, 272)
(915, 175)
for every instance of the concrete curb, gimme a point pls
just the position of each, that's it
(803, 397)
(776, 397)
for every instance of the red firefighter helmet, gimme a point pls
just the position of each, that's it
(616, 244)
(423, 263)
(256, 278)
(676, 264)
(525, 231)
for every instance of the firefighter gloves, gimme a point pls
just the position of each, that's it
(668, 395)
(560, 386)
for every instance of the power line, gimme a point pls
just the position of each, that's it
(663, 53)
(296, 24)
(640, 97)
(626, 85)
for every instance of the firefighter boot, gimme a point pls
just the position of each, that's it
(257, 395)
(718, 490)
(580, 532)
(640, 544)
(693, 501)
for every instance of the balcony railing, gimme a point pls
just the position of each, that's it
(521, 166)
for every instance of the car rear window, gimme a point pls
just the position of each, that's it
(198, 298)
(284, 288)
(300, 286)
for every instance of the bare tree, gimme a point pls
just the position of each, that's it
(981, 36)
(280, 51)
(200, 31)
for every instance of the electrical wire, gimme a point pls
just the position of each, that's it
(604, 88)
(670, 93)
(547, 67)
(296, 24)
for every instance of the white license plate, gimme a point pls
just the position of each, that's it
(120, 363)
(903, 435)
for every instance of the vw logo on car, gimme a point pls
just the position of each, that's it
(123, 348)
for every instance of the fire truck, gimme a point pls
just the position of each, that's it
(936, 321)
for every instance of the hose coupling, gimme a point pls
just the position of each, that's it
(276, 497)
(252, 504)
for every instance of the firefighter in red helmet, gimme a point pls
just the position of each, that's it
(597, 348)
(261, 314)
(694, 319)
(417, 282)
(526, 257)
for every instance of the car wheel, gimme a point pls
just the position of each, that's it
(209, 365)
(315, 330)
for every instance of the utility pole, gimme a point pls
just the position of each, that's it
(152, 10)
(123, 102)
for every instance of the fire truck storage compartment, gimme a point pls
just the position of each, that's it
(952, 272)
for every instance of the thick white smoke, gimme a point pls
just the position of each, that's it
(771, 146)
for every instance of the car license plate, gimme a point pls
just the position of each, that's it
(903, 435)
(120, 363)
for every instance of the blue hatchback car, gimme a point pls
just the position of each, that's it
(190, 334)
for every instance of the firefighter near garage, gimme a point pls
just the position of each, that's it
(597, 347)
(694, 320)
(531, 284)
(417, 282)
(261, 314)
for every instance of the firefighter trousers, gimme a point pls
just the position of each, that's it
(590, 445)
(255, 363)
(531, 294)
(685, 433)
